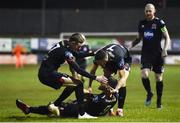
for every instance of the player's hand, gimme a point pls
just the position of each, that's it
(86, 91)
(92, 52)
(102, 79)
(114, 91)
(164, 53)
(90, 90)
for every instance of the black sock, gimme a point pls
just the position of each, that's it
(146, 84)
(159, 90)
(39, 110)
(122, 97)
(66, 92)
(80, 98)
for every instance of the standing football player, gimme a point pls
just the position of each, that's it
(151, 30)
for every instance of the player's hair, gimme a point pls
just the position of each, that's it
(150, 5)
(106, 88)
(100, 55)
(77, 37)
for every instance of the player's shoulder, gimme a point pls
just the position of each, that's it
(113, 44)
(159, 20)
(142, 21)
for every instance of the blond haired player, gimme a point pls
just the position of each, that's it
(151, 30)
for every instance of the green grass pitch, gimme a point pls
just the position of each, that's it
(23, 83)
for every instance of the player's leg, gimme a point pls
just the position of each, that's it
(20, 61)
(43, 110)
(122, 92)
(26, 109)
(56, 80)
(159, 88)
(80, 99)
(22, 106)
(145, 70)
(17, 61)
(159, 69)
(76, 85)
(71, 85)
(65, 94)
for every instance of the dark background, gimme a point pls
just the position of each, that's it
(48, 18)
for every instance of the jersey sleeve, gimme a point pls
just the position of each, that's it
(140, 27)
(120, 63)
(162, 23)
(71, 61)
(162, 26)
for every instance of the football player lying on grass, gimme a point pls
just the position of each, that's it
(94, 104)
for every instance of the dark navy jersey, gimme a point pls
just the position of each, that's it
(100, 104)
(118, 56)
(151, 32)
(60, 53)
(95, 104)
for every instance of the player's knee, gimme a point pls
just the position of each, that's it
(144, 74)
(123, 85)
(80, 83)
(80, 86)
(158, 77)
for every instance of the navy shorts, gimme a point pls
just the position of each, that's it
(154, 64)
(52, 78)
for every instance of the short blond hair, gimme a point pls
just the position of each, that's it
(150, 6)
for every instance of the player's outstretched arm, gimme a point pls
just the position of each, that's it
(123, 75)
(82, 72)
(93, 72)
(136, 41)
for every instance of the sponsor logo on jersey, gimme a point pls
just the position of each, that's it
(148, 34)
(154, 26)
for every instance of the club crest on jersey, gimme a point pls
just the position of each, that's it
(153, 26)
(148, 34)
(68, 55)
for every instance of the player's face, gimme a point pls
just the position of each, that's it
(75, 46)
(149, 13)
